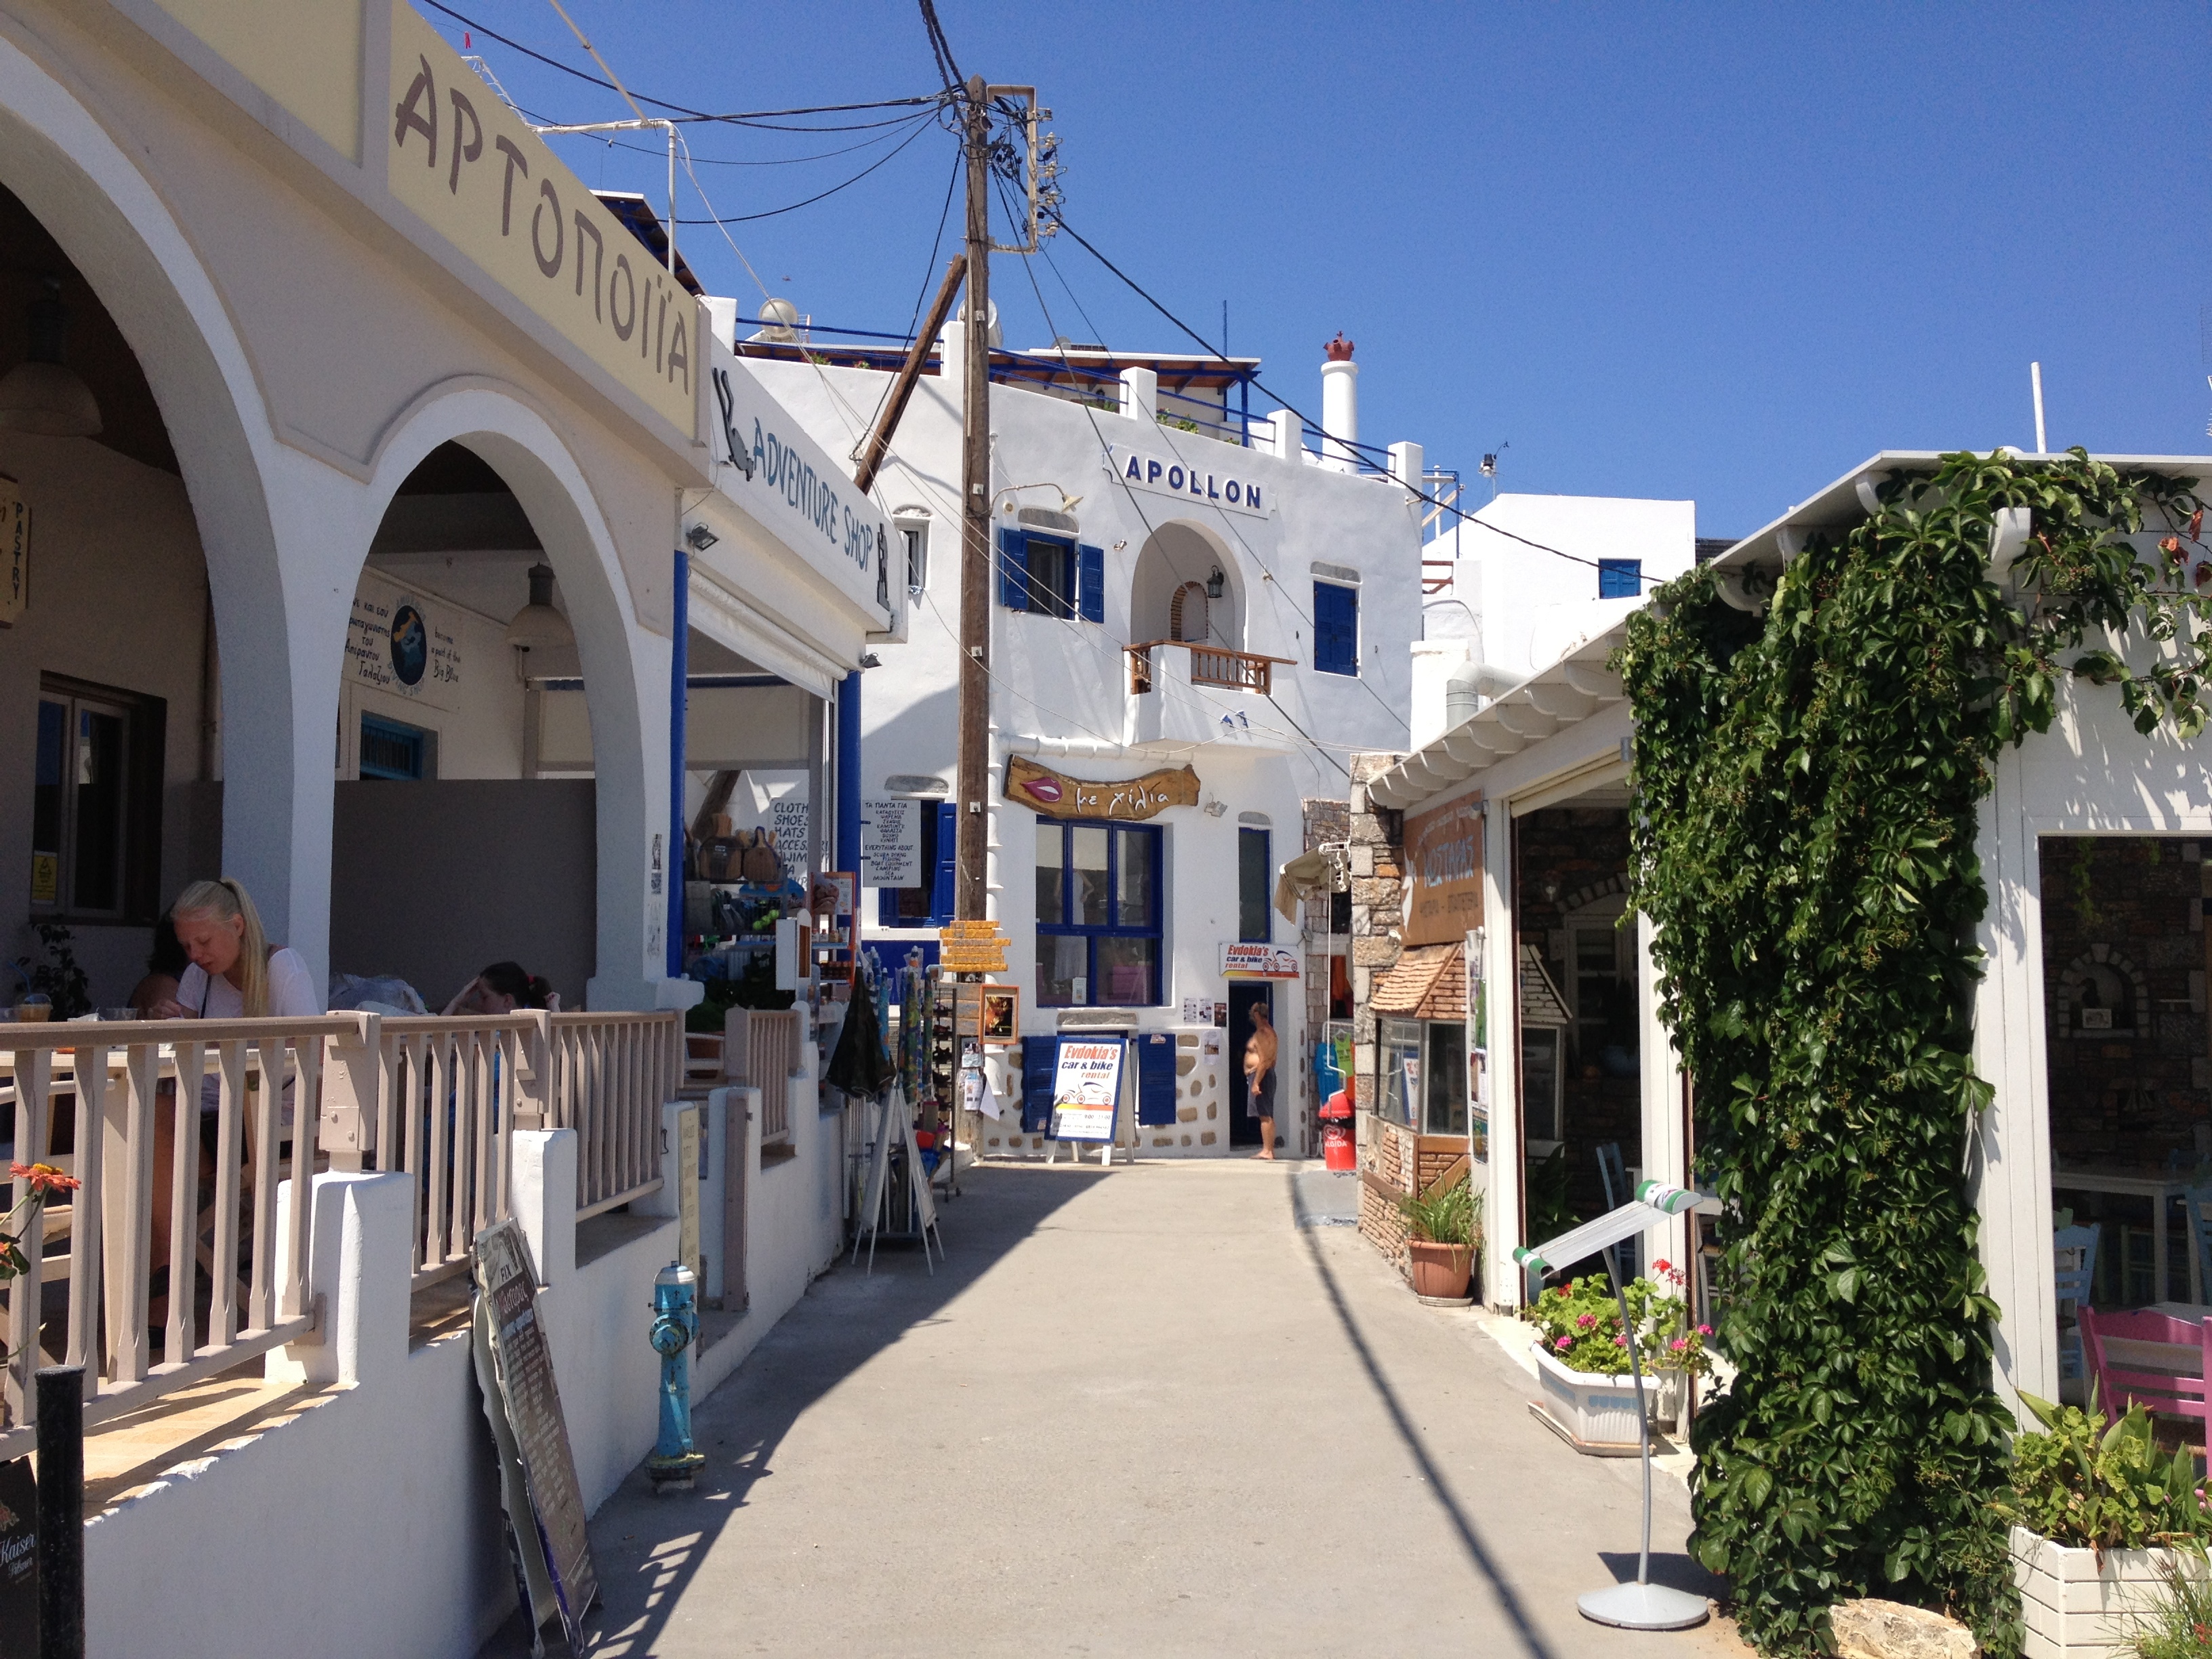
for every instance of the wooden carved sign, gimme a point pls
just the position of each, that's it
(1059, 796)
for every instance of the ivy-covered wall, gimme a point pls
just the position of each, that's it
(1808, 782)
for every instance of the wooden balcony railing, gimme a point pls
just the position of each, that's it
(761, 1051)
(611, 1075)
(1211, 666)
(118, 1086)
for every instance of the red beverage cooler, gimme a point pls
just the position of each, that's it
(1339, 1143)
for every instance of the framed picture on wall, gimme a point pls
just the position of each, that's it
(1002, 1013)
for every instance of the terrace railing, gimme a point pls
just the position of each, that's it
(116, 1086)
(610, 1075)
(1211, 665)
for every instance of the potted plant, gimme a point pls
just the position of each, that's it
(2105, 1524)
(1444, 1234)
(1582, 1358)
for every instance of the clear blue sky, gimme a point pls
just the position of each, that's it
(1714, 252)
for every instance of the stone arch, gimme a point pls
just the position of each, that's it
(1187, 613)
(1584, 899)
(1176, 554)
(505, 428)
(110, 222)
(2108, 979)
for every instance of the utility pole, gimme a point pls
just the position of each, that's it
(970, 887)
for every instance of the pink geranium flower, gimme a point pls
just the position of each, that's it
(1585, 1321)
(1619, 1341)
(1563, 1344)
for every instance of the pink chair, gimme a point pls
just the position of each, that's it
(2149, 1359)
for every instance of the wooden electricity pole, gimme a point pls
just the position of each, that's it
(971, 889)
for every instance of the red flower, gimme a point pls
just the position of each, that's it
(43, 1178)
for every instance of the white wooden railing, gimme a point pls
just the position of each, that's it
(439, 1099)
(760, 1050)
(272, 1081)
(451, 1094)
(611, 1074)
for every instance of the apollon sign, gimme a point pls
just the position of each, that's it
(1059, 796)
(1444, 865)
(1170, 475)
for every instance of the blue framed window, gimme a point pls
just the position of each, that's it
(929, 905)
(1253, 869)
(389, 750)
(1051, 577)
(1336, 628)
(1620, 578)
(1098, 908)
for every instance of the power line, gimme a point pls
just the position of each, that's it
(819, 196)
(1451, 507)
(750, 117)
(770, 161)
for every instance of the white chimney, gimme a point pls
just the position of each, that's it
(1340, 407)
(1140, 394)
(1287, 436)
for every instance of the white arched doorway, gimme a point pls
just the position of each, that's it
(530, 477)
(216, 538)
(1185, 560)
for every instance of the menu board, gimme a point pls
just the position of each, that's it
(19, 1557)
(1086, 1083)
(545, 1517)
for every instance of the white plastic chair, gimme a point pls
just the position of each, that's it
(2074, 1251)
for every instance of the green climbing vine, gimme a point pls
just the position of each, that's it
(1808, 782)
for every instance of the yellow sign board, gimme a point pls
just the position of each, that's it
(959, 930)
(466, 164)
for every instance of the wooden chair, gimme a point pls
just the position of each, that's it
(2149, 1358)
(2074, 1279)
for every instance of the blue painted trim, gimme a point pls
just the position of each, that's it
(679, 679)
(848, 782)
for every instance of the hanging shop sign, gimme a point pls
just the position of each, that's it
(467, 165)
(15, 553)
(1059, 796)
(891, 843)
(794, 489)
(1164, 474)
(1086, 1083)
(400, 643)
(1251, 959)
(544, 1500)
(1443, 867)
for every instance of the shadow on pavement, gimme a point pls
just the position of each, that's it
(646, 1548)
(1433, 1478)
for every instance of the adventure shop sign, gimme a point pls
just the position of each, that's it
(1169, 475)
(467, 165)
(1059, 796)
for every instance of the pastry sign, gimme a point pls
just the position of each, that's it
(1059, 796)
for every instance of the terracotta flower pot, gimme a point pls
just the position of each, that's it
(1442, 1271)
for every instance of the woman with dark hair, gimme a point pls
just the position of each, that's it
(501, 989)
(164, 969)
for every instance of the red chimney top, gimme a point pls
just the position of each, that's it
(1338, 350)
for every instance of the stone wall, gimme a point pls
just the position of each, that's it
(1378, 896)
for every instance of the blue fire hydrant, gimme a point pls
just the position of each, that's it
(675, 1327)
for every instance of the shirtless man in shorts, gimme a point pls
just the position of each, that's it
(1259, 1078)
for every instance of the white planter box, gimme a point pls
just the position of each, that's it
(1597, 1411)
(2073, 1608)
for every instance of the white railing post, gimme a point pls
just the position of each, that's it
(352, 1089)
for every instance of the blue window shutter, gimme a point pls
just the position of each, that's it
(1619, 579)
(1336, 628)
(941, 901)
(1013, 570)
(1156, 1078)
(1040, 1057)
(1090, 583)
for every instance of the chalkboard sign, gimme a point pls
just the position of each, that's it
(547, 1515)
(19, 1557)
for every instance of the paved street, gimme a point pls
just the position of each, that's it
(1140, 1411)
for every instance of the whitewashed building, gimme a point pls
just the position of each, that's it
(324, 389)
(1176, 585)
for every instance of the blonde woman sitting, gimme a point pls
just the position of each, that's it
(235, 974)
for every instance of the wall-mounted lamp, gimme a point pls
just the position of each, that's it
(1214, 583)
(1214, 809)
(1549, 887)
(870, 659)
(699, 538)
(42, 393)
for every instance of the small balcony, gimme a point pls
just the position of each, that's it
(1183, 692)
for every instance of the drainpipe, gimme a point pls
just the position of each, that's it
(847, 785)
(679, 678)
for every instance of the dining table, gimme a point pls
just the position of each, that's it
(2162, 1187)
